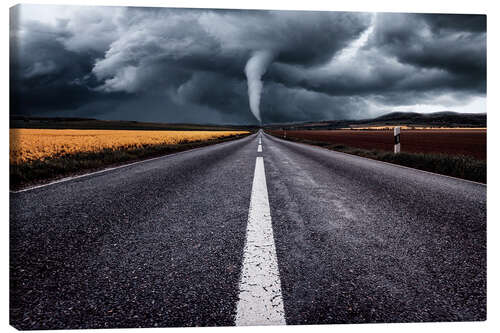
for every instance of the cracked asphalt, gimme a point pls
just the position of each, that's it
(160, 243)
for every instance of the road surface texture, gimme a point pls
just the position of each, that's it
(257, 230)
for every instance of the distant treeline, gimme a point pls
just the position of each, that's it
(437, 119)
(95, 124)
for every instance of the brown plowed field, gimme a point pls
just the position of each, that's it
(471, 142)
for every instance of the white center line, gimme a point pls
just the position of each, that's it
(259, 148)
(260, 300)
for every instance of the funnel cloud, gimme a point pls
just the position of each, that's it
(256, 67)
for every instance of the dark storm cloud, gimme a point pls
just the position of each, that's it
(46, 76)
(223, 41)
(405, 52)
(299, 104)
(186, 65)
(453, 43)
(456, 22)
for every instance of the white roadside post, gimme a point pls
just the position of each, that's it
(397, 140)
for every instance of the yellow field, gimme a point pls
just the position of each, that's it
(38, 144)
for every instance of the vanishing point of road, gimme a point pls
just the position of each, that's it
(252, 231)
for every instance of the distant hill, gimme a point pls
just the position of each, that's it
(90, 123)
(436, 119)
(447, 118)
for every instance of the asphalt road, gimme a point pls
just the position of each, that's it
(164, 242)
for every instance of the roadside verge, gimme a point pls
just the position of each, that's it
(40, 172)
(458, 166)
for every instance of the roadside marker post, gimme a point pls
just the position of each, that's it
(397, 140)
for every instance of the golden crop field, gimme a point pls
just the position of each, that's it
(38, 144)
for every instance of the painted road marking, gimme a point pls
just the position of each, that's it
(259, 148)
(260, 141)
(260, 300)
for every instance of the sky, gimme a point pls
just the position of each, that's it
(242, 66)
